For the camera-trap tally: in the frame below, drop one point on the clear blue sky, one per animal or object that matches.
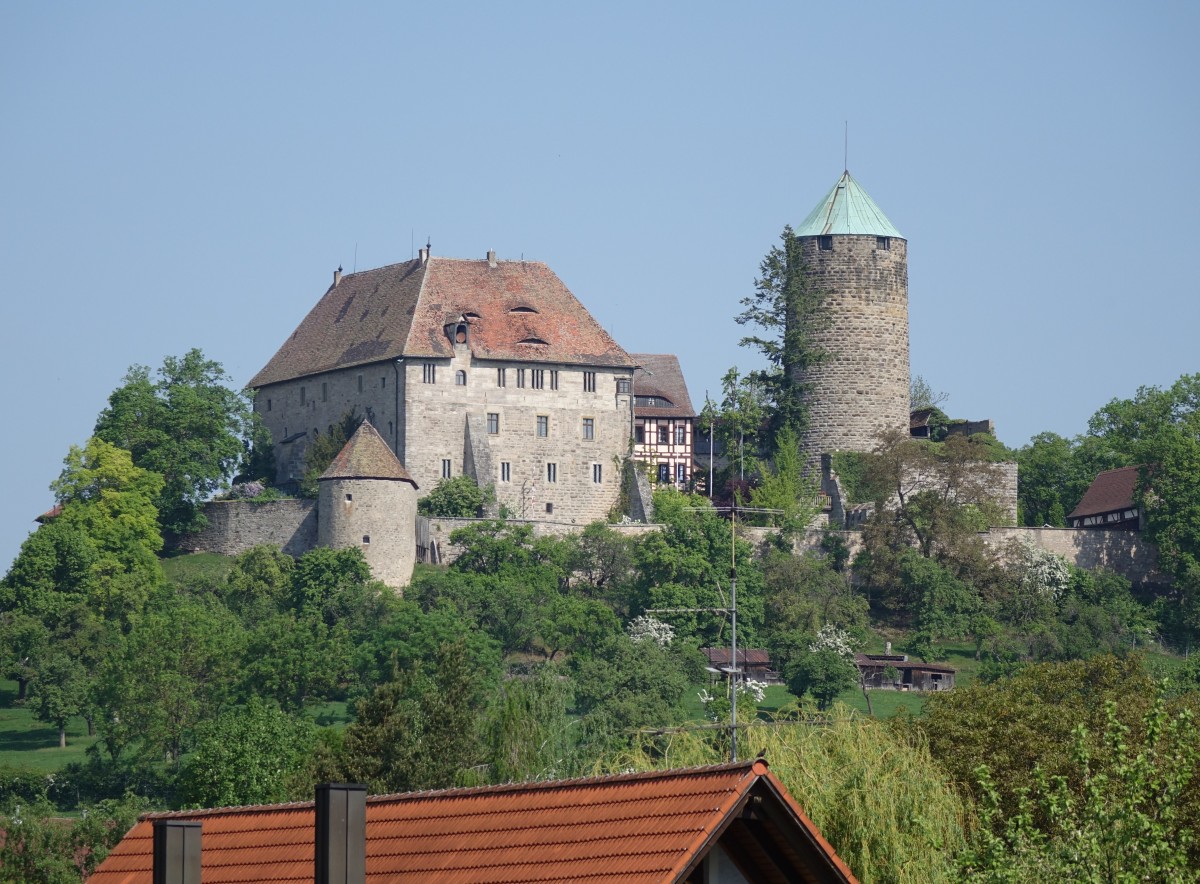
(180, 177)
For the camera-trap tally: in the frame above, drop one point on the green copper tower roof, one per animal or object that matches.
(847, 209)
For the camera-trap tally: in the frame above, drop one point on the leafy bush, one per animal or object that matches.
(456, 498)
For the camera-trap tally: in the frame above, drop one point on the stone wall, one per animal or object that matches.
(1127, 553)
(235, 526)
(440, 529)
(860, 387)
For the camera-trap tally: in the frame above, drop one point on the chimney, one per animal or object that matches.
(337, 276)
(423, 254)
(491, 257)
(341, 835)
(176, 852)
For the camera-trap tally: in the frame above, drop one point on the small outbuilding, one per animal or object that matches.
(896, 672)
(1110, 502)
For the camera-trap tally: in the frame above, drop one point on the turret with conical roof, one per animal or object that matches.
(368, 499)
(858, 261)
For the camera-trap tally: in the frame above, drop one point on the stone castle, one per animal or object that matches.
(494, 370)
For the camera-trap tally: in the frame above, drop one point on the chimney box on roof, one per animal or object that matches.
(337, 276)
(491, 257)
(341, 835)
(423, 254)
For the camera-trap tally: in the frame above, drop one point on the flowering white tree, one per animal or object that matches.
(1042, 571)
(830, 638)
(645, 627)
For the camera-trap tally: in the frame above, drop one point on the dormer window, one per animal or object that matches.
(523, 309)
(532, 341)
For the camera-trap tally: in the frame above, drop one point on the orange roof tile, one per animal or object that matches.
(648, 827)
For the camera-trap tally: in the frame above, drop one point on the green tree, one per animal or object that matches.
(324, 448)
(787, 309)
(1051, 480)
(419, 731)
(186, 425)
(458, 497)
(1117, 816)
(783, 488)
(529, 732)
(252, 754)
(60, 692)
(39, 847)
(105, 497)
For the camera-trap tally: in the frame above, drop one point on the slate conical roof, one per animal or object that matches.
(847, 209)
(367, 456)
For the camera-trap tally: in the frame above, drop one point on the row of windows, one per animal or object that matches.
(664, 472)
(663, 435)
(588, 427)
(535, 378)
(551, 471)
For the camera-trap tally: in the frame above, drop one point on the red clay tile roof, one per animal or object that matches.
(1110, 491)
(883, 661)
(659, 374)
(51, 514)
(402, 310)
(366, 456)
(751, 656)
(648, 827)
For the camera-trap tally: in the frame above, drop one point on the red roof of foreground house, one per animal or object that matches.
(648, 827)
(516, 310)
(1110, 491)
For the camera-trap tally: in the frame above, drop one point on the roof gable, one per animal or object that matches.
(1110, 491)
(659, 374)
(650, 827)
(847, 209)
(366, 456)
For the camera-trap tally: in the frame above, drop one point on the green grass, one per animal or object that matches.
(197, 569)
(27, 742)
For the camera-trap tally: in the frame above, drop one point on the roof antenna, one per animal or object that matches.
(846, 148)
(428, 249)
(355, 270)
(412, 243)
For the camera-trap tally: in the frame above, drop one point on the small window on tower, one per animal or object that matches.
(445, 468)
(366, 540)
(460, 378)
(349, 498)
(883, 243)
(825, 243)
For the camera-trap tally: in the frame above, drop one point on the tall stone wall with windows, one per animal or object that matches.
(861, 385)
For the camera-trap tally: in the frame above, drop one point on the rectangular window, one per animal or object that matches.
(493, 423)
(543, 425)
(445, 468)
(366, 540)
(623, 385)
(664, 472)
(664, 435)
(550, 508)
(589, 428)
(359, 379)
(383, 382)
(883, 243)
(505, 471)
(640, 434)
(268, 405)
(303, 399)
(681, 434)
(324, 392)
(551, 472)
(520, 377)
(554, 379)
(680, 473)
(501, 377)
(537, 378)
(589, 382)
(825, 243)
(597, 473)
(429, 374)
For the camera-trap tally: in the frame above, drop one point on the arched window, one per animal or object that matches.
(460, 378)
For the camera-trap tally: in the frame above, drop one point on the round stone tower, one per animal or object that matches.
(367, 499)
(859, 263)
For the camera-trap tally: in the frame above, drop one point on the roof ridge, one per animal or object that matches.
(466, 791)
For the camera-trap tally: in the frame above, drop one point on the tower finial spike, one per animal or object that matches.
(846, 148)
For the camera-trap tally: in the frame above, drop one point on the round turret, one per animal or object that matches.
(367, 499)
(859, 262)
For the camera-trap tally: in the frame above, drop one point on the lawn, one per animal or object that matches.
(196, 569)
(27, 742)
